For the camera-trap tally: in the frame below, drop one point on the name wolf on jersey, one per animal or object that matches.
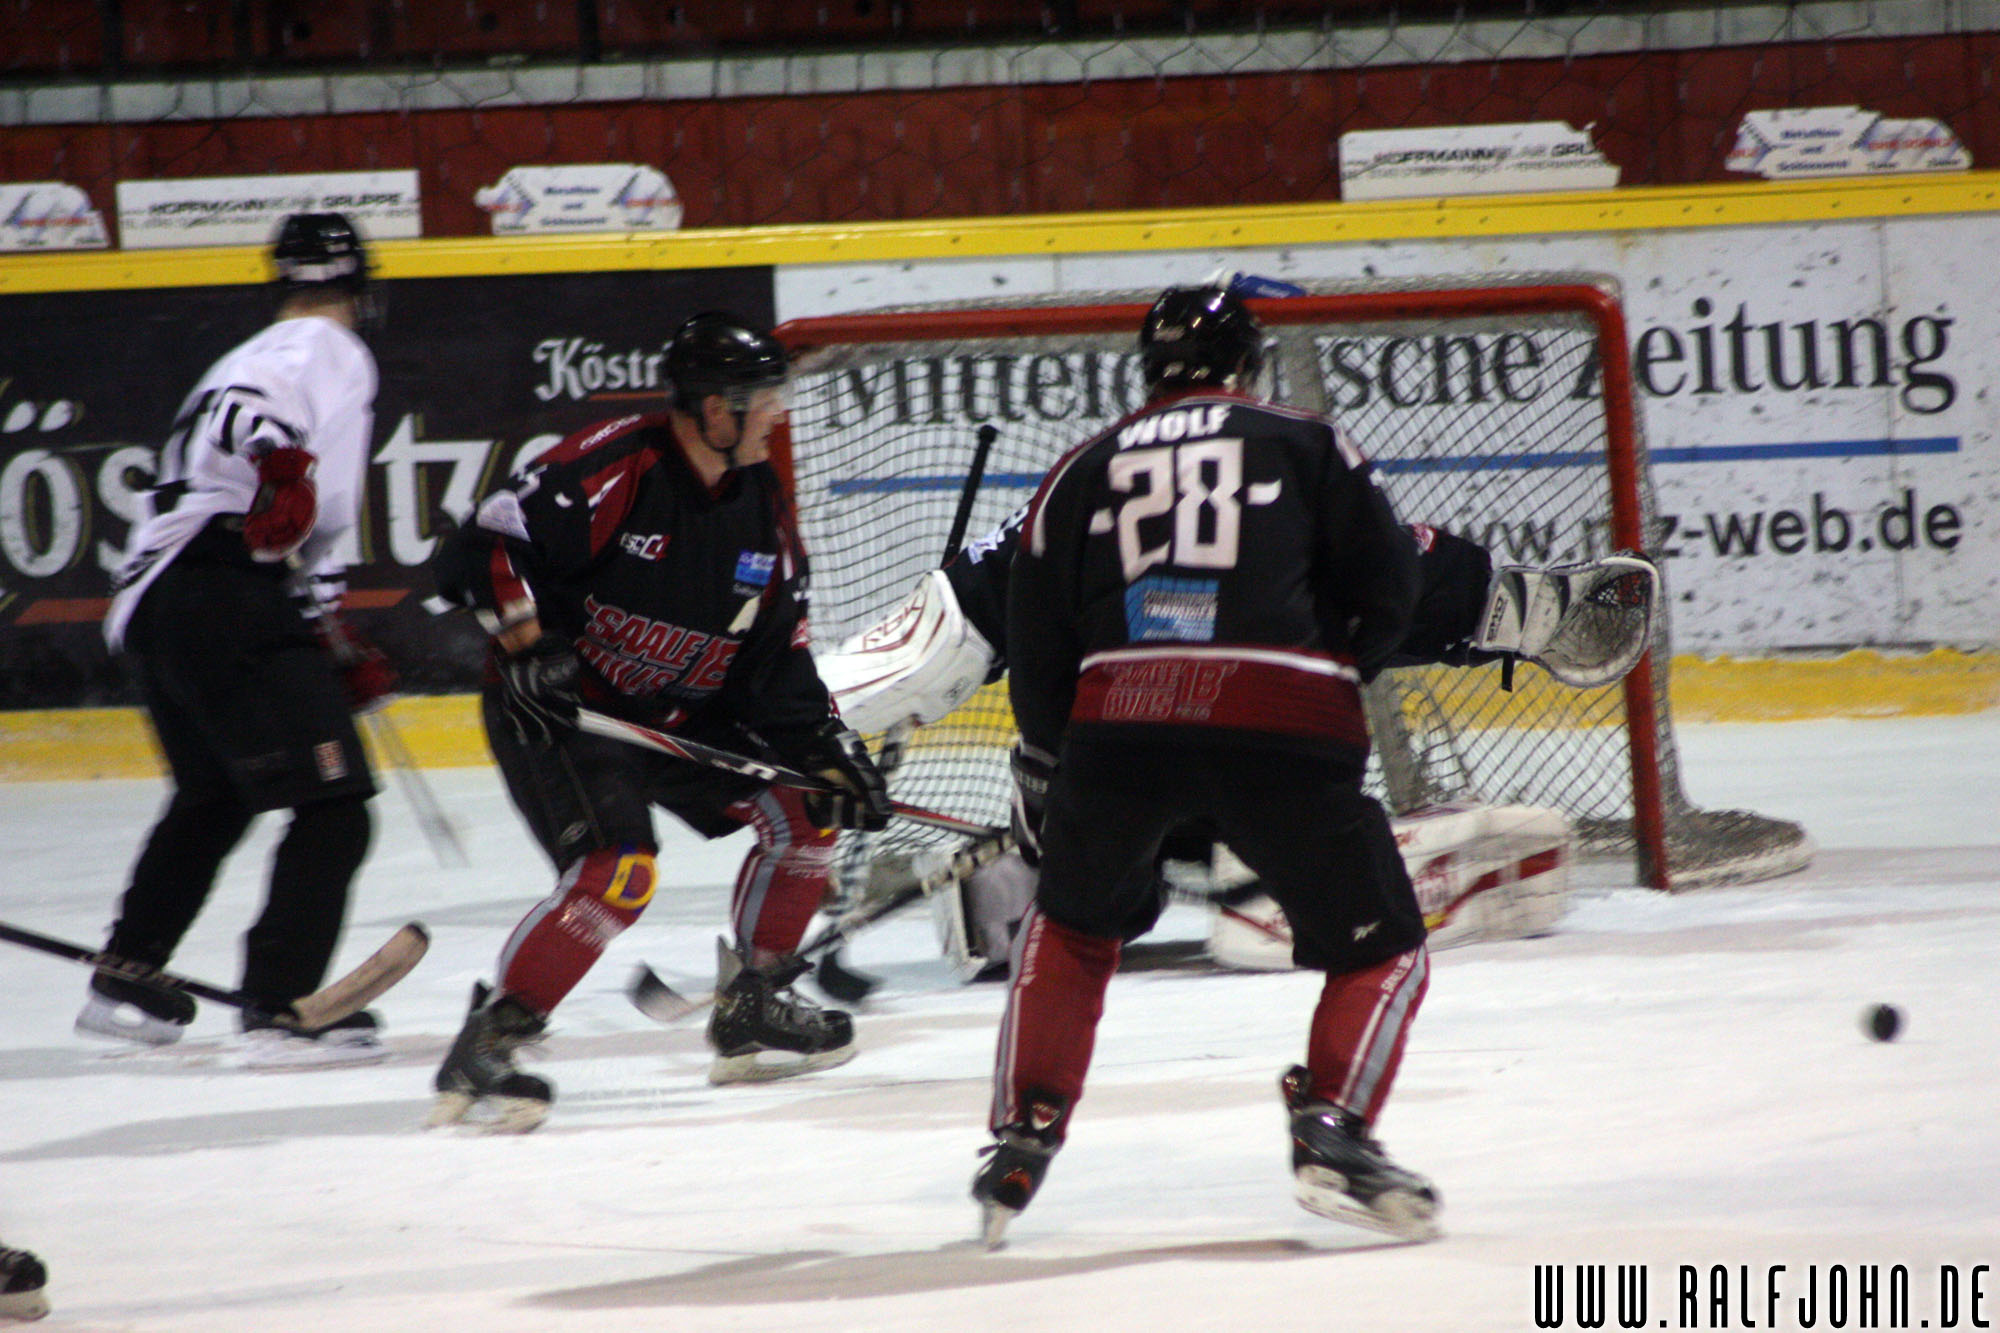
(1192, 424)
(639, 655)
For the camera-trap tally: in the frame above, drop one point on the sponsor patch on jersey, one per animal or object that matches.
(754, 568)
(331, 760)
(1159, 609)
(645, 545)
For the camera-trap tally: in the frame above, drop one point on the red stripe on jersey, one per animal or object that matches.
(510, 590)
(610, 492)
(1314, 696)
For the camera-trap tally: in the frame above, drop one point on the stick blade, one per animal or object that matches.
(842, 982)
(357, 989)
(656, 999)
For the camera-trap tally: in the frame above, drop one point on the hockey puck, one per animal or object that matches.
(1883, 1022)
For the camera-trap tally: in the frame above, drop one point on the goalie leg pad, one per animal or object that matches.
(1482, 873)
(977, 917)
(1489, 873)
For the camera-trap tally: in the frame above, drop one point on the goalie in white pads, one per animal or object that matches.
(1586, 624)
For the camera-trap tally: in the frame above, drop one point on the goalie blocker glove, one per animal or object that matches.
(539, 688)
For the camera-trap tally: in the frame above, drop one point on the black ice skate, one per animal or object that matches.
(23, 1285)
(479, 1069)
(122, 1009)
(1019, 1159)
(762, 1030)
(1341, 1172)
(273, 1041)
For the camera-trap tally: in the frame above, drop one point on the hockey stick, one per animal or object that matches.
(663, 1004)
(833, 975)
(437, 827)
(601, 724)
(330, 1003)
(962, 519)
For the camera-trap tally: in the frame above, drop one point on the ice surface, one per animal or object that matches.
(1667, 1081)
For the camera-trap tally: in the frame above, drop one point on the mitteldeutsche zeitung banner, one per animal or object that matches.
(1819, 400)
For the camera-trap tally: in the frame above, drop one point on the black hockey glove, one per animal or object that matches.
(538, 689)
(832, 751)
(1032, 770)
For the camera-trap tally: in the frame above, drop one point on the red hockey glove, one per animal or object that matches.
(364, 669)
(281, 517)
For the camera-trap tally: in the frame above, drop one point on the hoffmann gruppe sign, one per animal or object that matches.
(1471, 159)
(246, 210)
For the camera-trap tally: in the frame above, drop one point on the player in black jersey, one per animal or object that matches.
(1199, 594)
(1586, 623)
(650, 568)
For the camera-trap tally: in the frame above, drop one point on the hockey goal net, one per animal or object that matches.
(1502, 411)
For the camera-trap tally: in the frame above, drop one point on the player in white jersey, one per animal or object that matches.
(225, 606)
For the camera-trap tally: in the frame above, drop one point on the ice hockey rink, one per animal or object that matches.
(1679, 1085)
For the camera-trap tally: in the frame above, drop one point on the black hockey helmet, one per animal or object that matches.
(717, 353)
(319, 250)
(1199, 335)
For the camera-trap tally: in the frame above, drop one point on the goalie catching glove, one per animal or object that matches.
(538, 688)
(1585, 624)
(833, 752)
(286, 506)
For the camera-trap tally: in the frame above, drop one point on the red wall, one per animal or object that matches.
(1663, 117)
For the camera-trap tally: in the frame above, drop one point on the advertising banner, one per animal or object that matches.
(1819, 401)
(477, 375)
(49, 215)
(1841, 141)
(1471, 159)
(246, 210)
(590, 197)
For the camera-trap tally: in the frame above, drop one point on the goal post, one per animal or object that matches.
(1498, 408)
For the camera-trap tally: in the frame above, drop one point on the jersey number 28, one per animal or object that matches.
(1197, 483)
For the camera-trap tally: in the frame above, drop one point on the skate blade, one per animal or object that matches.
(497, 1115)
(768, 1066)
(24, 1305)
(1399, 1213)
(277, 1057)
(993, 1220)
(103, 1020)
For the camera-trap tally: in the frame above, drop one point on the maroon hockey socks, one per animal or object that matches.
(1359, 1030)
(1053, 1006)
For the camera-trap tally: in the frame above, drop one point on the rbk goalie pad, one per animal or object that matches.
(1586, 624)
